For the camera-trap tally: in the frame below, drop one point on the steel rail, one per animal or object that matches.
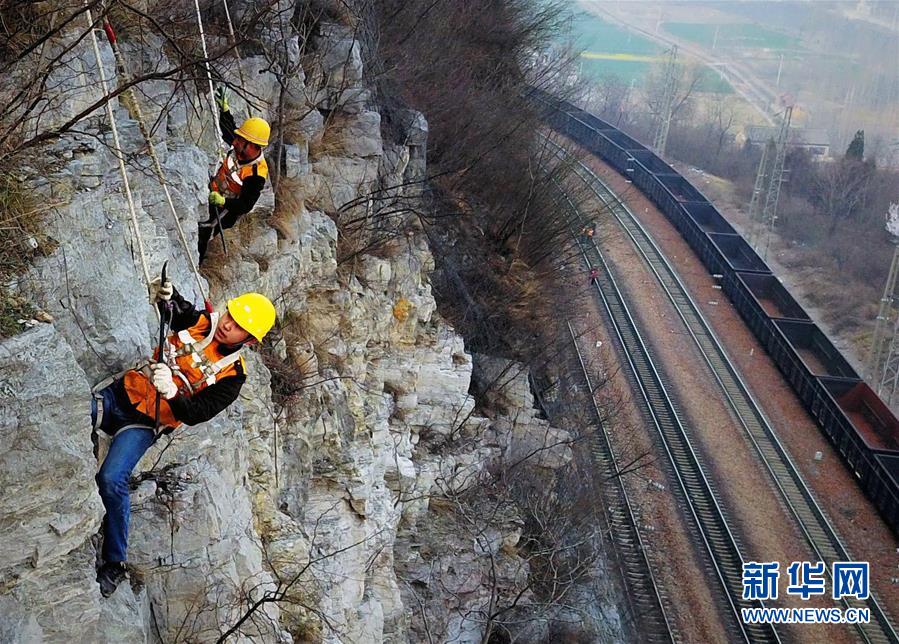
(646, 600)
(813, 523)
(697, 493)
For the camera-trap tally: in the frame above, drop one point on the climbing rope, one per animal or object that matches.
(157, 166)
(236, 52)
(215, 113)
(135, 227)
(214, 108)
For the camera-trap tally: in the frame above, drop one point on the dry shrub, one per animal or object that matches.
(22, 238)
(289, 207)
(463, 65)
(329, 143)
(290, 357)
(21, 23)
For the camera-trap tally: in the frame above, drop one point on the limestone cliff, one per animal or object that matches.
(290, 510)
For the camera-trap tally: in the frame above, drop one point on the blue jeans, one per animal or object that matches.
(126, 450)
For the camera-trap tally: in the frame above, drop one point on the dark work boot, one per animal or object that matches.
(110, 576)
(204, 234)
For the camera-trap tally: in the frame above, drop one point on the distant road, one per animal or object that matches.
(754, 90)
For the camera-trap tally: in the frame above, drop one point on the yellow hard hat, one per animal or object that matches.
(255, 130)
(254, 313)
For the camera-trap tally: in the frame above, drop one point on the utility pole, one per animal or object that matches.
(769, 214)
(660, 137)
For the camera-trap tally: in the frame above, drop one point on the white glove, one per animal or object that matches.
(160, 291)
(162, 380)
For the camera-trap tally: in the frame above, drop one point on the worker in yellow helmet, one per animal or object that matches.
(238, 182)
(199, 374)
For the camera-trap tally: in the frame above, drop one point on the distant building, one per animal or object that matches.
(816, 141)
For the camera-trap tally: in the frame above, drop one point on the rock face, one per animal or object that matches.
(49, 507)
(288, 513)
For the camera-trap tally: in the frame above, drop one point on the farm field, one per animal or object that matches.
(731, 35)
(608, 50)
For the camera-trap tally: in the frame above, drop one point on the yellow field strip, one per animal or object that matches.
(638, 58)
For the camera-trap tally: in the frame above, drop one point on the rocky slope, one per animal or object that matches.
(289, 511)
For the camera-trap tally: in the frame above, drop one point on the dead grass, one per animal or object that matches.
(330, 142)
(289, 206)
(22, 238)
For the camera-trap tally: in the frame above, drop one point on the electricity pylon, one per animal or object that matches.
(769, 213)
(660, 136)
(758, 192)
(883, 364)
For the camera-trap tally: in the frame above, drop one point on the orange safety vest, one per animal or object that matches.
(228, 179)
(196, 361)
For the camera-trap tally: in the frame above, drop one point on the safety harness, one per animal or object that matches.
(196, 349)
(228, 179)
(187, 346)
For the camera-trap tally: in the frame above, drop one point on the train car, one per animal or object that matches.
(760, 299)
(589, 138)
(637, 173)
(728, 254)
(882, 488)
(700, 220)
(862, 412)
(652, 162)
(661, 196)
(862, 428)
(804, 353)
(617, 150)
(597, 123)
(866, 433)
(578, 130)
(669, 191)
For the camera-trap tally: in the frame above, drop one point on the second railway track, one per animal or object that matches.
(819, 533)
(657, 404)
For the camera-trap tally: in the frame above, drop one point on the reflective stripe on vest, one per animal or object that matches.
(228, 179)
(195, 363)
(196, 349)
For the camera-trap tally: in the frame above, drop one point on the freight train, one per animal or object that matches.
(856, 421)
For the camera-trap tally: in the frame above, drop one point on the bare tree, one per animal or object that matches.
(609, 98)
(841, 189)
(720, 120)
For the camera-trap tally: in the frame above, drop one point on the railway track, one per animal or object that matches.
(646, 601)
(819, 533)
(656, 402)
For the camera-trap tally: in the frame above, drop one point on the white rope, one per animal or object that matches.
(135, 227)
(138, 114)
(214, 107)
(236, 52)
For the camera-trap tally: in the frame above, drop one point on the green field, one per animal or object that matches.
(712, 82)
(593, 34)
(608, 50)
(731, 36)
